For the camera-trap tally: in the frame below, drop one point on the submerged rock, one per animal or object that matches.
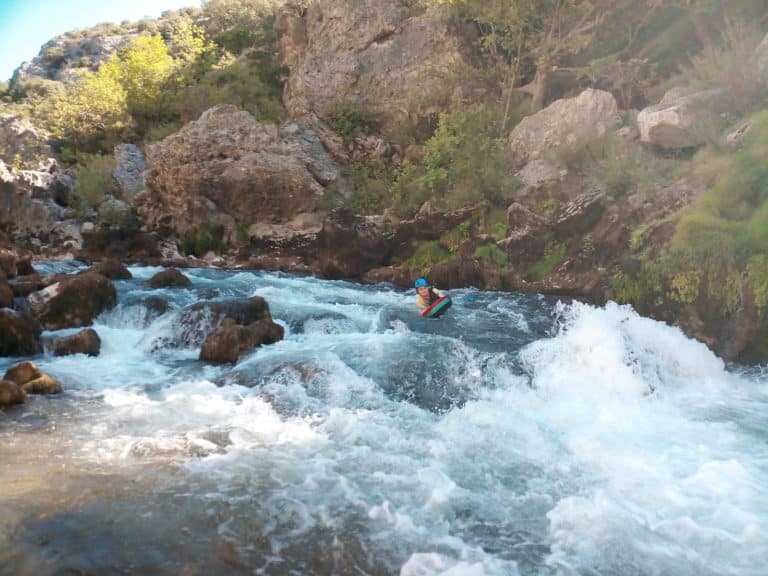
(168, 278)
(84, 342)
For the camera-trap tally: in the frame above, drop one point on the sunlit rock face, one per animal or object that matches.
(226, 168)
(376, 54)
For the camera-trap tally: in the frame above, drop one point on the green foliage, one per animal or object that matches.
(371, 180)
(642, 288)
(719, 243)
(553, 255)
(203, 239)
(622, 166)
(464, 163)
(349, 119)
(242, 235)
(547, 208)
(93, 174)
(428, 255)
(236, 25)
(757, 276)
(454, 239)
(90, 114)
(730, 67)
(145, 69)
(244, 83)
(492, 253)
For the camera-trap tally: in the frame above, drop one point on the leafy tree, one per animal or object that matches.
(89, 114)
(145, 69)
(236, 25)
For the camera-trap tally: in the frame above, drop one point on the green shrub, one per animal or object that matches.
(453, 239)
(349, 119)
(93, 174)
(465, 163)
(547, 208)
(553, 255)
(729, 66)
(237, 82)
(757, 276)
(203, 239)
(427, 255)
(492, 253)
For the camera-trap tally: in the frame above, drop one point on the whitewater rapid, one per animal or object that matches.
(513, 436)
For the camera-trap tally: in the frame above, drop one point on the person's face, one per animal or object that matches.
(423, 291)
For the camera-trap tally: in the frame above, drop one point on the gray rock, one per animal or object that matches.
(127, 178)
(674, 122)
(21, 143)
(590, 114)
(376, 54)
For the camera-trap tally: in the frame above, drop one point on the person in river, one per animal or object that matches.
(426, 295)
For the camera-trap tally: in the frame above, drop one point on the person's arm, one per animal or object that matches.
(420, 302)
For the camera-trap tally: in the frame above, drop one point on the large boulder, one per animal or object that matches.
(19, 333)
(226, 169)
(589, 115)
(30, 201)
(376, 54)
(680, 119)
(73, 301)
(230, 340)
(197, 321)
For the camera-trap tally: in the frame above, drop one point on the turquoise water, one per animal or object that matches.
(515, 435)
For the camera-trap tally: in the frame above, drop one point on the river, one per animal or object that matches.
(515, 435)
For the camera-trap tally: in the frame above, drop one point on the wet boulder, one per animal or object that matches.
(11, 393)
(19, 333)
(231, 340)
(73, 301)
(43, 384)
(6, 294)
(169, 278)
(84, 342)
(31, 379)
(112, 269)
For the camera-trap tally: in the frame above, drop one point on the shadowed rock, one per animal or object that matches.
(11, 393)
(73, 301)
(19, 333)
(112, 269)
(169, 278)
(84, 342)
(31, 380)
(230, 340)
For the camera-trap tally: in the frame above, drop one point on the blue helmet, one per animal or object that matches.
(420, 282)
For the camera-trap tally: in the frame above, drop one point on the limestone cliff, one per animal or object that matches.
(384, 56)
